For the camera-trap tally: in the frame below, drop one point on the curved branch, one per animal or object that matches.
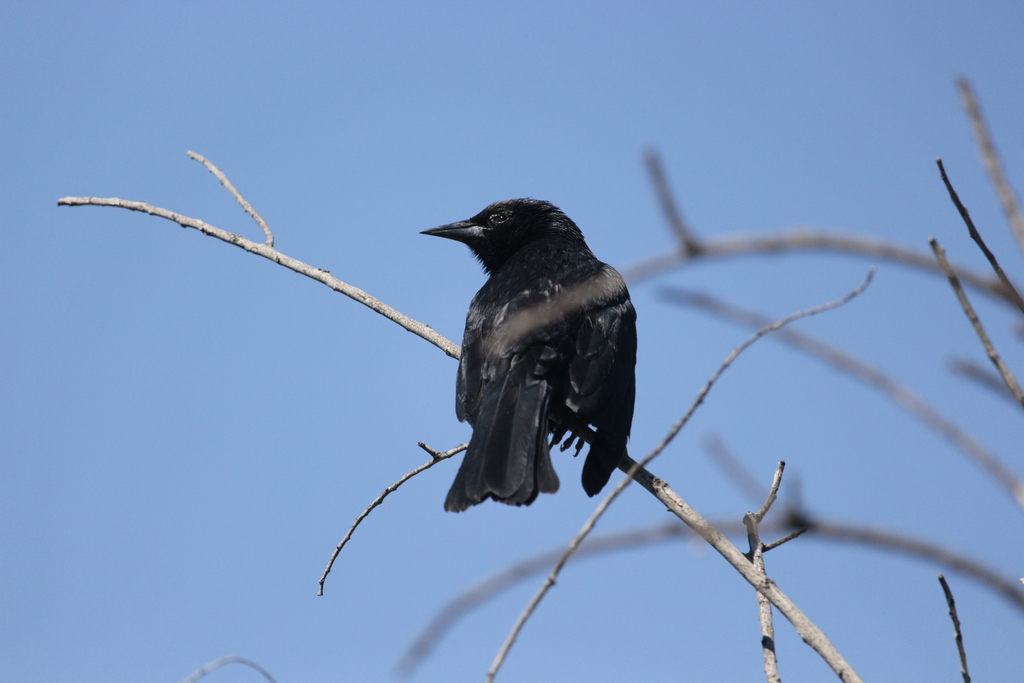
(874, 538)
(495, 584)
(436, 457)
(810, 240)
(223, 661)
(839, 359)
(267, 252)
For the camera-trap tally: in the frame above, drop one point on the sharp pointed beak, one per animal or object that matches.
(463, 231)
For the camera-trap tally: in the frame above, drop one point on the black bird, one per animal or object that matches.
(550, 343)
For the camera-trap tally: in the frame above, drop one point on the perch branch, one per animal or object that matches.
(995, 168)
(322, 276)
(811, 634)
(435, 457)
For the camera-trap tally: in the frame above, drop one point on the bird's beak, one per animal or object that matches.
(463, 231)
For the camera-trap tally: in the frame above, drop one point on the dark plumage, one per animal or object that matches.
(550, 341)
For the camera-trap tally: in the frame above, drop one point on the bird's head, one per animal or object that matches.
(503, 228)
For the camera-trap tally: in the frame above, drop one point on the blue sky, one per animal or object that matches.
(186, 430)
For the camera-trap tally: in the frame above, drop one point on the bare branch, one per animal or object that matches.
(976, 236)
(993, 355)
(223, 661)
(751, 521)
(237, 195)
(733, 468)
(956, 629)
(902, 395)
(785, 539)
(810, 633)
(992, 163)
(758, 516)
(873, 538)
(687, 242)
(810, 240)
(909, 545)
(495, 584)
(322, 276)
(436, 457)
(969, 370)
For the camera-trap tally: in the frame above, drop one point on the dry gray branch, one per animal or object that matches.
(810, 633)
(723, 457)
(976, 236)
(809, 240)
(435, 457)
(237, 195)
(752, 521)
(785, 539)
(322, 276)
(993, 355)
(969, 370)
(956, 629)
(899, 393)
(988, 154)
(223, 661)
(1009, 588)
(495, 584)
(687, 242)
(909, 545)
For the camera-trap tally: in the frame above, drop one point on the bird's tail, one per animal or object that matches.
(508, 457)
(603, 459)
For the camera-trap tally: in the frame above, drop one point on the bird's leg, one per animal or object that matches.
(565, 421)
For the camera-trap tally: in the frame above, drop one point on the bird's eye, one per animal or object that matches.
(497, 218)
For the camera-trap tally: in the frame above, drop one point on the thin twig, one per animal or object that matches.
(436, 457)
(687, 242)
(811, 634)
(322, 276)
(988, 153)
(773, 493)
(223, 661)
(983, 377)
(976, 236)
(785, 539)
(752, 521)
(237, 195)
(810, 240)
(993, 355)
(839, 359)
(956, 629)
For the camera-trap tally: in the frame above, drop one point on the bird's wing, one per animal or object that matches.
(601, 371)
